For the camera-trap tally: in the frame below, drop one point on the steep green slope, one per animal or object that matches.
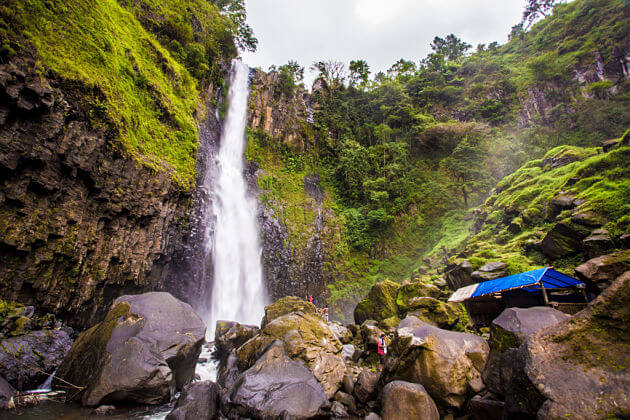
(146, 59)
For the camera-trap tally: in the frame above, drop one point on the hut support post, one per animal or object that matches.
(544, 293)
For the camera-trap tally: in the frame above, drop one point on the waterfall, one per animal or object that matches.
(238, 292)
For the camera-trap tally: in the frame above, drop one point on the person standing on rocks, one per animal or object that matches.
(325, 311)
(382, 350)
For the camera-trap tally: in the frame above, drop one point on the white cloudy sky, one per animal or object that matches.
(379, 31)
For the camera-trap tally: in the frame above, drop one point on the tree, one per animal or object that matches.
(293, 70)
(243, 33)
(359, 72)
(451, 47)
(402, 68)
(332, 72)
(534, 8)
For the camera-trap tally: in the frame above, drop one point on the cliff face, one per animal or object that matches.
(81, 222)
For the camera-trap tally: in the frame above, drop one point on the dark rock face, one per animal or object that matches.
(562, 240)
(198, 401)
(6, 394)
(507, 332)
(146, 347)
(27, 361)
(459, 275)
(598, 243)
(404, 400)
(277, 386)
(480, 408)
(366, 386)
(558, 370)
(229, 335)
(82, 222)
(598, 273)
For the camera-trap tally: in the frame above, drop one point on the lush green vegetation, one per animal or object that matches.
(148, 59)
(407, 155)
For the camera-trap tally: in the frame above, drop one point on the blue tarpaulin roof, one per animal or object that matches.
(550, 278)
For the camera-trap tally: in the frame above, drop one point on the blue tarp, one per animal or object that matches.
(551, 279)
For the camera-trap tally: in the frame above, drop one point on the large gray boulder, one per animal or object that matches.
(198, 401)
(145, 349)
(563, 239)
(490, 271)
(598, 273)
(26, 361)
(277, 386)
(405, 400)
(507, 332)
(577, 369)
(448, 364)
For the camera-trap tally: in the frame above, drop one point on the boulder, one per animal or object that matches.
(412, 290)
(379, 304)
(146, 347)
(370, 333)
(459, 275)
(26, 361)
(372, 416)
(598, 243)
(563, 239)
(507, 332)
(577, 369)
(490, 271)
(229, 335)
(448, 364)
(6, 394)
(305, 338)
(598, 273)
(625, 238)
(480, 408)
(198, 401)
(366, 385)
(287, 305)
(588, 218)
(338, 410)
(562, 201)
(405, 400)
(347, 351)
(228, 371)
(348, 383)
(389, 323)
(441, 314)
(277, 386)
(342, 333)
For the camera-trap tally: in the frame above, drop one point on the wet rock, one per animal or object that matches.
(6, 394)
(104, 410)
(448, 364)
(459, 275)
(598, 243)
(276, 385)
(405, 400)
(413, 290)
(562, 240)
(26, 361)
(379, 304)
(229, 335)
(305, 338)
(366, 385)
(342, 333)
(146, 347)
(337, 410)
(228, 371)
(507, 332)
(490, 271)
(571, 370)
(598, 273)
(480, 408)
(287, 305)
(198, 401)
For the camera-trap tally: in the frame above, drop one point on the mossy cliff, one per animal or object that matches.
(99, 106)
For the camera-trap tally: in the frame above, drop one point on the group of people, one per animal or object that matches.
(323, 311)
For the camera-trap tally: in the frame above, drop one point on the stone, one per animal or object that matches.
(439, 313)
(342, 333)
(405, 400)
(588, 218)
(508, 331)
(562, 240)
(370, 334)
(198, 401)
(389, 323)
(348, 383)
(347, 352)
(562, 201)
(448, 364)
(6, 394)
(372, 416)
(104, 410)
(337, 410)
(366, 385)
(145, 349)
(228, 371)
(490, 271)
(480, 408)
(598, 273)
(379, 304)
(598, 243)
(276, 385)
(625, 239)
(413, 290)
(459, 275)
(305, 338)
(229, 335)
(347, 400)
(26, 361)
(287, 305)
(608, 145)
(572, 369)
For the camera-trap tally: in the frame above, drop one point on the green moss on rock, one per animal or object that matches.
(380, 303)
(287, 305)
(411, 290)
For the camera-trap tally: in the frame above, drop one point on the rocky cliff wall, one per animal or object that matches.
(81, 222)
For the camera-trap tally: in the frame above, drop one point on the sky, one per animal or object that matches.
(378, 31)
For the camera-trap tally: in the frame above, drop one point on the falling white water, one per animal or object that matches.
(238, 292)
